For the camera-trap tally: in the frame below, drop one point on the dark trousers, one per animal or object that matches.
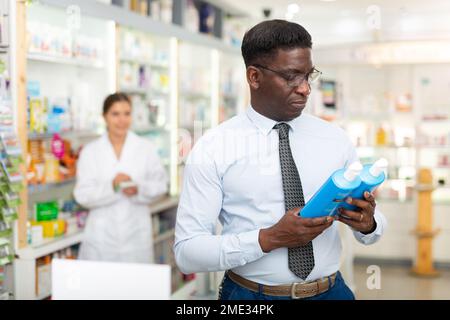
(230, 290)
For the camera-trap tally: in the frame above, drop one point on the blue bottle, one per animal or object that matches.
(333, 192)
(371, 177)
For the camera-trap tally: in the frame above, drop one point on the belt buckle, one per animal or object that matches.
(294, 286)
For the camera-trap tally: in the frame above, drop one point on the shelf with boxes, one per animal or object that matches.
(163, 223)
(34, 267)
(63, 104)
(234, 96)
(198, 85)
(144, 74)
(11, 160)
(35, 259)
(146, 60)
(405, 160)
(67, 78)
(399, 113)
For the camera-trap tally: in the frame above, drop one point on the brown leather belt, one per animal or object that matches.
(296, 290)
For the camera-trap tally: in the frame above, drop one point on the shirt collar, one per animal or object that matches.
(264, 124)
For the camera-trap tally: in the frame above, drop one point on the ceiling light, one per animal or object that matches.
(293, 8)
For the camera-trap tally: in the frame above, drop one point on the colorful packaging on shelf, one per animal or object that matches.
(81, 218)
(6, 255)
(36, 234)
(10, 144)
(57, 146)
(35, 161)
(5, 229)
(45, 211)
(11, 172)
(71, 222)
(43, 276)
(10, 199)
(51, 229)
(38, 114)
(58, 118)
(51, 169)
(9, 214)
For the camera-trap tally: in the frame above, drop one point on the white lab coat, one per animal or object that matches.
(118, 227)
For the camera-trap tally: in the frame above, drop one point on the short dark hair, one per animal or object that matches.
(113, 98)
(263, 40)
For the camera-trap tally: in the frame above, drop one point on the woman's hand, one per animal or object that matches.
(130, 191)
(120, 177)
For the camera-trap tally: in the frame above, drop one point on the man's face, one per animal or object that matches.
(281, 100)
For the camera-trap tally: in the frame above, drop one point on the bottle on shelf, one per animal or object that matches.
(381, 137)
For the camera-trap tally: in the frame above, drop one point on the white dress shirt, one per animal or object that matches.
(233, 174)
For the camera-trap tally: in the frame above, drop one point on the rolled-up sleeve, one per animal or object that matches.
(197, 248)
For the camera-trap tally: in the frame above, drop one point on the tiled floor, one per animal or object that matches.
(398, 283)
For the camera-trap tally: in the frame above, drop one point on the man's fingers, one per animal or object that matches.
(363, 204)
(318, 229)
(370, 197)
(351, 223)
(313, 222)
(309, 222)
(295, 211)
(353, 215)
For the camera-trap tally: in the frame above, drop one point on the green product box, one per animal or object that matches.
(46, 211)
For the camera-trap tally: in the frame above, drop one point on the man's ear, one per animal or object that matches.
(253, 77)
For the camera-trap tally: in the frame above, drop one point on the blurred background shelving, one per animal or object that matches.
(77, 52)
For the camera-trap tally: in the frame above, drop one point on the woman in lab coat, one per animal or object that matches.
(118, 175)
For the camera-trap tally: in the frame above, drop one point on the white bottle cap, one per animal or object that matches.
(353, 171)
(378, 167)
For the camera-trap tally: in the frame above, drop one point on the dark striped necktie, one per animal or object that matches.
(300, 259)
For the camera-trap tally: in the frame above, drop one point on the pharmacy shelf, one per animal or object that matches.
(411, 200)
(135, 90)
(65, 134)
(151, 129)
(195, 96)
(186, 292)
(159, 92)
(40, 188)
(387, 147)
(141, 61)
(146, 24)
(163, 204)
(50, 246)
(435, 121)
(65, 60)
(164, 236)
(144, 91)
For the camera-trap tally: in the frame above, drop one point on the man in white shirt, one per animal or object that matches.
(255, 171)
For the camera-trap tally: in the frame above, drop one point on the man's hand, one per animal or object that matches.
(361, 220)
(292, 231)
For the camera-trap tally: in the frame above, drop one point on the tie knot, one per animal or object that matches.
(283, 130)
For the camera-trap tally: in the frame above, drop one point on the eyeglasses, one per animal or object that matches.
(294, 80)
